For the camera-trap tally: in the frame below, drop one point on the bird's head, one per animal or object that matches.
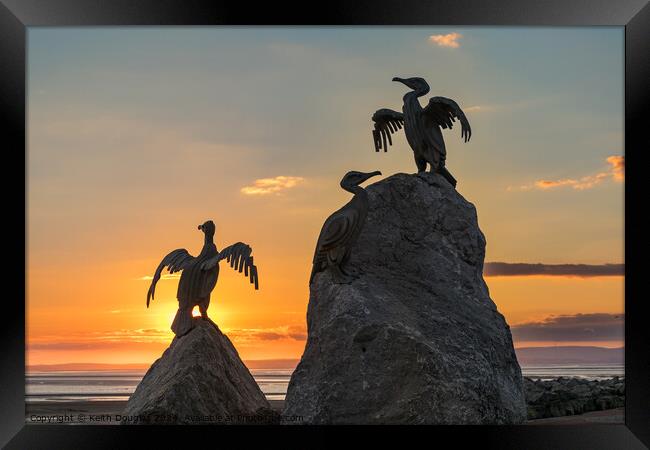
(354, 178)
(417, 84)
(208, 228)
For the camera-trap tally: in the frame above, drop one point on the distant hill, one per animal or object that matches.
(272, 363)
(525, 355)
(569, 355)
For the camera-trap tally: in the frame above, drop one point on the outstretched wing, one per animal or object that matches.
(239, 257)
(442, 111)
(387, 122)
(176, 261)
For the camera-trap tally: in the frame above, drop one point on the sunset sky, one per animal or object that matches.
(137, 135)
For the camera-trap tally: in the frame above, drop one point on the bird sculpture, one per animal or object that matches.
(341, 230)
(422, 126)
(200, 275)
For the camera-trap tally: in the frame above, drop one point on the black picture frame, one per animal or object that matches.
(634, 15)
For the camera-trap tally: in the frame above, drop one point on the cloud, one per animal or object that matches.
(618, 167)
(168, 276)
(583, 183)
(264, 186)
(503, 269)
(446, 40)
(246, 335)
(479, 108)
(155, 338)
(616, 172)
(577, 327)
(102, 339)
(510, 107)
(97, 345)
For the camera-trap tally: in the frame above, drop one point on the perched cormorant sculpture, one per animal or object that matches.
(421, 126)
(200, 275)
(341, 230)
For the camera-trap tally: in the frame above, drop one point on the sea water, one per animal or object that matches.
(119, 385)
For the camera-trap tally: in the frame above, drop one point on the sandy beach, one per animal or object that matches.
(608, 416)
(108, 413)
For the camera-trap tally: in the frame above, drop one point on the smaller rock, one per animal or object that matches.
(199, 379)
(569, 396)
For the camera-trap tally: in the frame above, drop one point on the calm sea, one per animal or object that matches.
(118, 385)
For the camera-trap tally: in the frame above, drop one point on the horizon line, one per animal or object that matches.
(29, 367)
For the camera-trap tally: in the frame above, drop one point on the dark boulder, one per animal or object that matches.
(415, 337)
(199, 379)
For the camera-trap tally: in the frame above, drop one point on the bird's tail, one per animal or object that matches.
(314, 269)
(317, 266)
(449, 177)
(183, 322)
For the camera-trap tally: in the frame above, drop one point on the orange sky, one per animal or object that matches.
(92, 318)
(137, 136)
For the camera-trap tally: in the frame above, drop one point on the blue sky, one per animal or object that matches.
(543, 103)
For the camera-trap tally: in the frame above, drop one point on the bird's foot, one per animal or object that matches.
(343, 279)
(346, 277)
(207, 319)
(352, 272)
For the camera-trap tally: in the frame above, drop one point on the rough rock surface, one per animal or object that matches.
(415, 338)
(570, 396)
(199, 379)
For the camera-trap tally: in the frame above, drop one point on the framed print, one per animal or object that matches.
(418, 215)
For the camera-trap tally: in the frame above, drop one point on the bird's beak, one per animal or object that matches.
(200, 227)
(401, 80)
(371, 174)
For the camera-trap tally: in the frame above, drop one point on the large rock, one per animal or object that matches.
(415, 338)
(199, 379)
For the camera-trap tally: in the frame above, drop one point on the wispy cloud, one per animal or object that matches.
(446, 40)
(102, 339)
(615, 171)
(479, 108)
(617, 164)
(155, 338)
(167, 276)
(576, 327)
(512, 106)
(580, 184)
(247, 335)
(503, 269)
(265, 186)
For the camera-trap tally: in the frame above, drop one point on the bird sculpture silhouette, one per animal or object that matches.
(341, 230)
(200, 275)
(422, 126)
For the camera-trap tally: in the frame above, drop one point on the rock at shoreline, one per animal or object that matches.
(415, 338)
(570, 396)
(199, 379)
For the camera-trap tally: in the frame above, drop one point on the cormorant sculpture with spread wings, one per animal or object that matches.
(200, 275)
(422, 126)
